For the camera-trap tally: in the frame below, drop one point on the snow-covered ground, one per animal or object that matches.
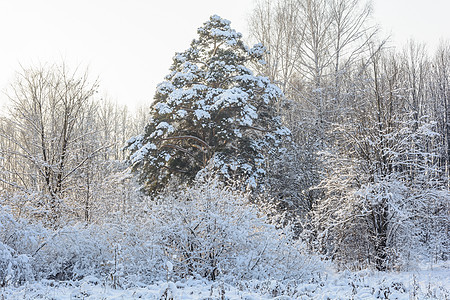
(424, 284)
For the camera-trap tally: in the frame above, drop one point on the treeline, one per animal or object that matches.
(369, 168)
(61, 145)
(353, 160)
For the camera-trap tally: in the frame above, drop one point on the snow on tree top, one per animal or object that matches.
(219, 19)
(211, 107)
(218, 27)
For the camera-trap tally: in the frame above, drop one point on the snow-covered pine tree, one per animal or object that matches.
(211, 109)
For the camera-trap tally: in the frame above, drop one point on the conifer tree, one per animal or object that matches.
(210, 110)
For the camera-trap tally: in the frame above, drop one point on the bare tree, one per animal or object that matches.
(314, 49)
(440, 93)
(44, 133)
(278, 26)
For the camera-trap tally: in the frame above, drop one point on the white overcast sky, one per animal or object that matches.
(129, 44)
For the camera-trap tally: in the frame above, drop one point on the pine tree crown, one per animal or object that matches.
(210, 110)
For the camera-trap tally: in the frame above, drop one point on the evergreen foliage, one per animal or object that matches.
(211, 109)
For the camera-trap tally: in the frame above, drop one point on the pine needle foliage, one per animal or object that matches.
(210, 110)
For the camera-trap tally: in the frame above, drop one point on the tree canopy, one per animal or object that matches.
(211, 109)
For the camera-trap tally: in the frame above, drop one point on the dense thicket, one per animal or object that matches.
(202, 231)
(60, 145)
(363, 178)
(370, 127)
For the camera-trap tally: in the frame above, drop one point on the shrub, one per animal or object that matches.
(212, 231)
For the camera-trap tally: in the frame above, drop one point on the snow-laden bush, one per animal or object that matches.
(73, 252)
(14, 269)
(211, 231)
(30, 251)
(204, 231)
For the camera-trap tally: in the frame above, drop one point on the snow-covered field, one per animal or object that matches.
(425, 284)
